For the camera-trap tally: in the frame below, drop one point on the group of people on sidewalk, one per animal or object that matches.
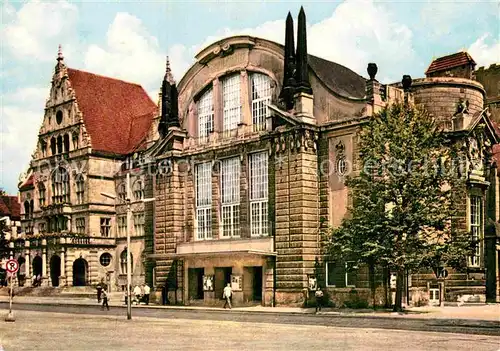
(139, 294)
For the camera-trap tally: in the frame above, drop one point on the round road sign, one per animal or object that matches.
(12, 266)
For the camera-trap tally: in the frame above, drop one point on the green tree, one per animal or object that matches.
(404, 196)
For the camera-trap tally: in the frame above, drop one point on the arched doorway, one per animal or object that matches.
(55, 269)
(80, 268)
(37, 266)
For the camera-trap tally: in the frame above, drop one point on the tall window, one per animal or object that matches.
(230, 179)
(261, 96)
(123, 262)
(258, 193)
(122, 226)
(80, 190)
(41, 194)
(105, 227)
(138, 190)
(122, 192)
(53, 146)
(80, 225)
(66, 142)
(206, 115)
(204, 201)
(231, 102)
(476, 228)
(139, 224)
(60, 186)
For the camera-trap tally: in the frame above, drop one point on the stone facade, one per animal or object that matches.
(73, 233)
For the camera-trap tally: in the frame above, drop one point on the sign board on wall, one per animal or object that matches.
(313, 282)
(208, 283)
(236, 284)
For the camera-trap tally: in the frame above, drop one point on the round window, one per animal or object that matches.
(59, 117)
(105, 259)
(341, 166)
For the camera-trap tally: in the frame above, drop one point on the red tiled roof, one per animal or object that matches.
(117, 114)
(28, 183)
(9, 206)
(450, 61)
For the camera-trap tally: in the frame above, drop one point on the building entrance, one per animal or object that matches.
(222, 278)
(80, 269)
(195, 276)
(55, 270)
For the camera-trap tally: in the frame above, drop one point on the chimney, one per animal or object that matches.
(304, 101)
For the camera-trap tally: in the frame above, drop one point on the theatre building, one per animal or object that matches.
(251, 164)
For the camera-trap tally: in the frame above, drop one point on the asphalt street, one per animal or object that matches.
(462, 326)
(107, 331)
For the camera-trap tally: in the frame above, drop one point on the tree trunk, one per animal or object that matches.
(398, 303)
(371, 268)
(386, 275)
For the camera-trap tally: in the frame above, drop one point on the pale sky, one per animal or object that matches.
(130, 39)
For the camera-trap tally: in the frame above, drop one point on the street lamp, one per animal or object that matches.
(129, 227)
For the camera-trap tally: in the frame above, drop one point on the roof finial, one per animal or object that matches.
(168, 73)
(60, 56)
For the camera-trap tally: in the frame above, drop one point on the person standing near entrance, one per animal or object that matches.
(318, 294)
(147, 290)
(228, 292)
(105, 300)
(99, 292)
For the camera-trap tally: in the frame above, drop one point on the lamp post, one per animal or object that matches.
(129, 229)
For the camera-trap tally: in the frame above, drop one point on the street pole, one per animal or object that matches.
(129, 266)
(10, 316)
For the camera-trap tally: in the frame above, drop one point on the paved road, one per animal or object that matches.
(462, 326)
(68, 331)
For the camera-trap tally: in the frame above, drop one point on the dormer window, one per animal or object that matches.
(231, 102)
(206, 115)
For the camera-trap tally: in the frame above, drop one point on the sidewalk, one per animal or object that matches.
(486, 312)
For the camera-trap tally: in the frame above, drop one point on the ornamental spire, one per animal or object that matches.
(289, 82)
(302, 74)
(168, 73)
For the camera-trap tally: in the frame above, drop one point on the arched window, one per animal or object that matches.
(53, 145)
(60, 186)
(66, 143)
(122, 192)
(138, 190)
(80, 190)
(75, 140)
(123, 262)
(43, 148)
(59, 145)
(261, 96)
(41, 194)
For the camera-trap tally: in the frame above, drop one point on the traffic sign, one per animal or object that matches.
(12, 266)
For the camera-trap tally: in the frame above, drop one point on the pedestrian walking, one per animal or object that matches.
(318, 294)
(147, 291)
(228, 292)
(105, 300)
(99, 292)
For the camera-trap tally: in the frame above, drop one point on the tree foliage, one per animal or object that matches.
(405, 194)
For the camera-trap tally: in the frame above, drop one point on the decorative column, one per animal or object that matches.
(62, 278)
(27, 263)
(246, 111)
(44, 261)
